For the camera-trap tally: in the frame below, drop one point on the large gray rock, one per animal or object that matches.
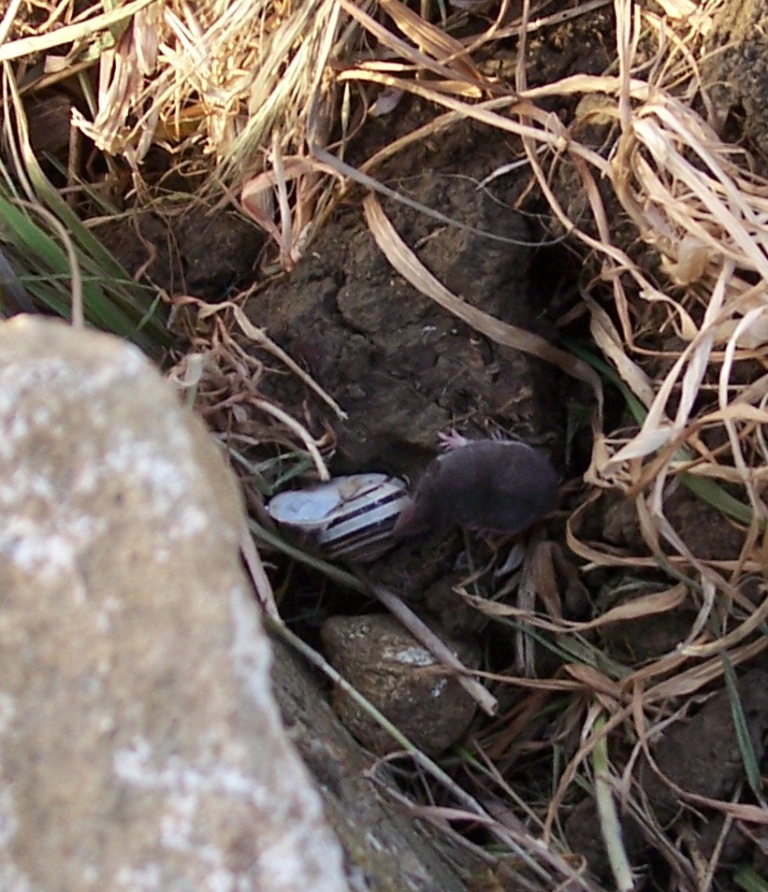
(140, 748)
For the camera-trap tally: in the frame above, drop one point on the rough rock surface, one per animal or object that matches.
(390, 849)
(400, 677)
(140, 748)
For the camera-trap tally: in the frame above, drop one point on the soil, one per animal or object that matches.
(736, 72)
(205, 253)
(405, 370)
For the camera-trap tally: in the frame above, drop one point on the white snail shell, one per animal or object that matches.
(347, 517)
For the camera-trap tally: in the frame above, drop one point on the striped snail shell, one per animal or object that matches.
(347, 517)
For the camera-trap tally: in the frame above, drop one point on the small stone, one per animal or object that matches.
(402, 679)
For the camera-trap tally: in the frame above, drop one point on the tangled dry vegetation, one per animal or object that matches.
(248, 93)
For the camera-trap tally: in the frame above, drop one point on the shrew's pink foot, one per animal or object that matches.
(451, 441)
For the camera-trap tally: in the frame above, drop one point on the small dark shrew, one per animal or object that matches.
(492, 486)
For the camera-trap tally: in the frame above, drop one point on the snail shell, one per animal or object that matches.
(347, 517)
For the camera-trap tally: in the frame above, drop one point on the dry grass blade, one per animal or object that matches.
(259, 578)
(644, 605)
(433, 49)
(212, 82)
(431, 40)
(68, 34)
(222, 378)
(610, 824)
(258, 336)
(485, 700)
